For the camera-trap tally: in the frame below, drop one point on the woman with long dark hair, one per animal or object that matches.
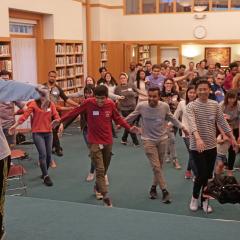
(180, 113)
(141, 86)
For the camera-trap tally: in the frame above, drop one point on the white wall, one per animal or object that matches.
(200, 51)
(65, 22)
(114, 26)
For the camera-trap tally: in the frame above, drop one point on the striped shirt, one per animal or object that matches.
(204, 117)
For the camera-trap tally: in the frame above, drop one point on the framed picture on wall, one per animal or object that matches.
(221, 55)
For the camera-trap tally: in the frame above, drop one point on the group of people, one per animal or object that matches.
(153, 101)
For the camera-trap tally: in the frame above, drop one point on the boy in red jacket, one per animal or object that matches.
(100, 112)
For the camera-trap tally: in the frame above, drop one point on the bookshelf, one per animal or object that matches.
(103, 54)
(66, 58)
(144, 53)
(5, 55)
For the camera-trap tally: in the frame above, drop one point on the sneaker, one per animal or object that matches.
(124, 142)
(53, 164)
(206, 207)
(176, 164)
(90, 177)
(98, 195)
(153, 192)
(188, 174)
(59, 152)
(107, 202)
(47, 181)
(3, 234)
(193, 204)
(106, 180)
(166, 197)
(167, 159)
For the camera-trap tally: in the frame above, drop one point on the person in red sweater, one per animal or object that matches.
(100, 111)
(42, 111)
(229, 78)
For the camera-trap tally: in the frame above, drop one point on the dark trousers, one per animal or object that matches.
(190, 165)
(92, 169)
(204, 165)
(126, 132)
(56, 142)
(43, 143)
(4, 169)
(231, 152)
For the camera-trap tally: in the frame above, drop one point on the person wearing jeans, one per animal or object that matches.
(43, 143)
(42, 111)
(203, 116)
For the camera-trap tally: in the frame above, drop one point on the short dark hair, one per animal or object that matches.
(52, 71)
(218, 65)
(232, 65)
(153, 89)
(156, 66)
(101, 91)
(231, 94)
(4, 73)
(148, 62)
(182, 66)
(89, 88)
(202, 81)
(101, 69)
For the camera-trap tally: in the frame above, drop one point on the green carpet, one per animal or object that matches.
(130, 178)
(39, 219)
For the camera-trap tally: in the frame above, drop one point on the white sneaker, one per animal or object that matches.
(193, 204)
(106, 180)
(206, 207)
(90, 177)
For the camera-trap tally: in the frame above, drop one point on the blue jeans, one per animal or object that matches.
(92, 169)
(43, 143)
(190, 165)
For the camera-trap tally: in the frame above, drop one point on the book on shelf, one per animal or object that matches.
(145, 48)
(79, 48)
(60, 49)
(70, 60)
(6, 65)
(61, 73)
(70, 72)
(4, 50)
(79, 70)
(79, 59)
(103, 47)
(79, 81)
(103, 56)
(70, 49)
(60, 61)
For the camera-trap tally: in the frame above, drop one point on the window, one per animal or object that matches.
(132, 6)
(235, 5)
(149, 6)
(21, 28)
(166, 6)
(218, 5)
(184, 5)
(201, 5)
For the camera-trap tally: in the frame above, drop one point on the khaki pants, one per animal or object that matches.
(101, 158)
(155, 151)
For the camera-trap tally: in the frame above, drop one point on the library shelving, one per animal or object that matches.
(144, 53)
(66, 58)
(103, 54)
(5, 55)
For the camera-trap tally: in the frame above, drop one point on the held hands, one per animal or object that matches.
(120, 97)
(60, 130)
(135, 130)
(186, 132)
(55, 123)
(200, 145)
(12, 129)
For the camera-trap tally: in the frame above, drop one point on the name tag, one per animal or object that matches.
(49, 110)
(54, 93)
(95, 113)
(129, 89)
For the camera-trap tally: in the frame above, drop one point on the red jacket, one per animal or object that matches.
(99, 120)
(41, 120)
(228, 82)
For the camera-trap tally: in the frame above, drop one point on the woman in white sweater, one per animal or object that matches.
(180, 113)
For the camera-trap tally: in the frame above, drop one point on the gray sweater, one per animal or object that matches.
(154, 120)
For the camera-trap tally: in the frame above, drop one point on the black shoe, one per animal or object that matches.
(47, 181)
(153, 192)
(59, 152)
(166, 197)
(107, 202)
